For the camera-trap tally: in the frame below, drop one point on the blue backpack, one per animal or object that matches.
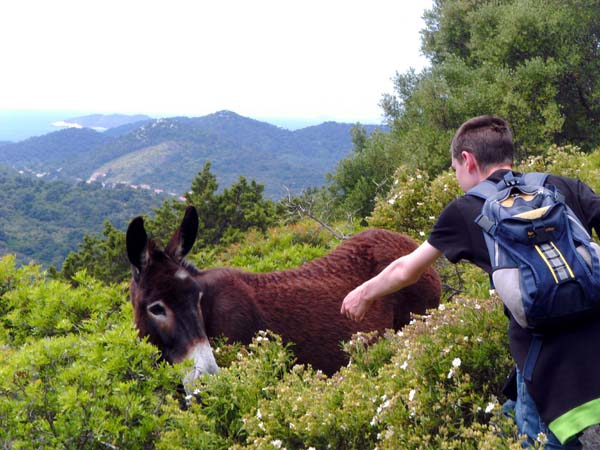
(545, 266)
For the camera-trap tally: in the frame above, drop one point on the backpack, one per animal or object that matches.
(545, 266)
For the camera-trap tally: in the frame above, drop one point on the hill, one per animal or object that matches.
(168, 153)
(45, 220)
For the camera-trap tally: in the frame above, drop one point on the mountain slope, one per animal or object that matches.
(53, 150)
(45, 220)
(168, 153)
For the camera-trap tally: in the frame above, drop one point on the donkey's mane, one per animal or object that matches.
(191, 268)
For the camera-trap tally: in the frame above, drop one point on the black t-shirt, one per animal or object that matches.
(458, 237)
(567, 373)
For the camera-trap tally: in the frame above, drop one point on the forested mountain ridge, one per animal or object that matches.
(168, 153)
(45, 220)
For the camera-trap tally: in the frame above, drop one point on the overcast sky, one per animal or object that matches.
(309, 59)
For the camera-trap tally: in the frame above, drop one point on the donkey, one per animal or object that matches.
(178, 307)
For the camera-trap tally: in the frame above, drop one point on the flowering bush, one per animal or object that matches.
(414, 202)
(78, 377)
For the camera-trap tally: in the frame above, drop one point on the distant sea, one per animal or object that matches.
(19, 125)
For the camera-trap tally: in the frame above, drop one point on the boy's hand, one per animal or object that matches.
(355, 305)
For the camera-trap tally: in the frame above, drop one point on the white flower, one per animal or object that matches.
(276, 443)
(404, 365)
(542, 438)
(489, 408)
(450, 373)
(442, 307)
(456, 362)
(421, 233)
(391, 201)
(411, 395)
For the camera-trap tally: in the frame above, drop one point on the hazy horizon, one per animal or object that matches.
(18, 125)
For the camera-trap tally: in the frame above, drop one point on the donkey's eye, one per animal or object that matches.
(157, 309)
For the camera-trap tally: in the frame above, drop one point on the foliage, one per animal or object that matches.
(224, 217)
(367, 172)
(533, 62)
(44, 221)
(283, 247)
(434, 385)
(74, 375)
(103, 258)
(415, 199)
(549, 47)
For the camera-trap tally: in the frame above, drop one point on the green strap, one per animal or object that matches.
(576, 420)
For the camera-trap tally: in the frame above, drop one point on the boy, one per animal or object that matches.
(565, 389)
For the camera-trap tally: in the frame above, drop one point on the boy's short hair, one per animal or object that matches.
(488, 138)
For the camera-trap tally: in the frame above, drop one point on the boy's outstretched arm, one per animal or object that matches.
(402, 272)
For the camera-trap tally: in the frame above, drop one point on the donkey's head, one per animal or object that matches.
(165, 296)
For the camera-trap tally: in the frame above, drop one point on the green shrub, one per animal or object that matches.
(226, 400)
(436, 386)
(73, 374)
(36, 308)
(84, 391)
(282, 248)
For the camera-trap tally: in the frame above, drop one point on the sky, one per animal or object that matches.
(310, 59)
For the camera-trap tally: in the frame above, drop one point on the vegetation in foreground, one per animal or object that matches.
(74, 375)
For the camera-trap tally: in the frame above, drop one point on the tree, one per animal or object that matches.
(223, 219)
(103, 258)
(534, 62)
(366, 173)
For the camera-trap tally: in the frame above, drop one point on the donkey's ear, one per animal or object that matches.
(136, 242)
(183, 240)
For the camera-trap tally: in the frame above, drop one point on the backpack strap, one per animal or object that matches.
(535, 348)
(483, 190)
(535, 178)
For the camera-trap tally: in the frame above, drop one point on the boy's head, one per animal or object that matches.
(487, 138)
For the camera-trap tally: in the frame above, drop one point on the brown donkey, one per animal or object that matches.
(179, 306)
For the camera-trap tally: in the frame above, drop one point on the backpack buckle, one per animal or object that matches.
(540, 233)
(510, 180)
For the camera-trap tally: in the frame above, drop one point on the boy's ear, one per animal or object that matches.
(469, 160)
